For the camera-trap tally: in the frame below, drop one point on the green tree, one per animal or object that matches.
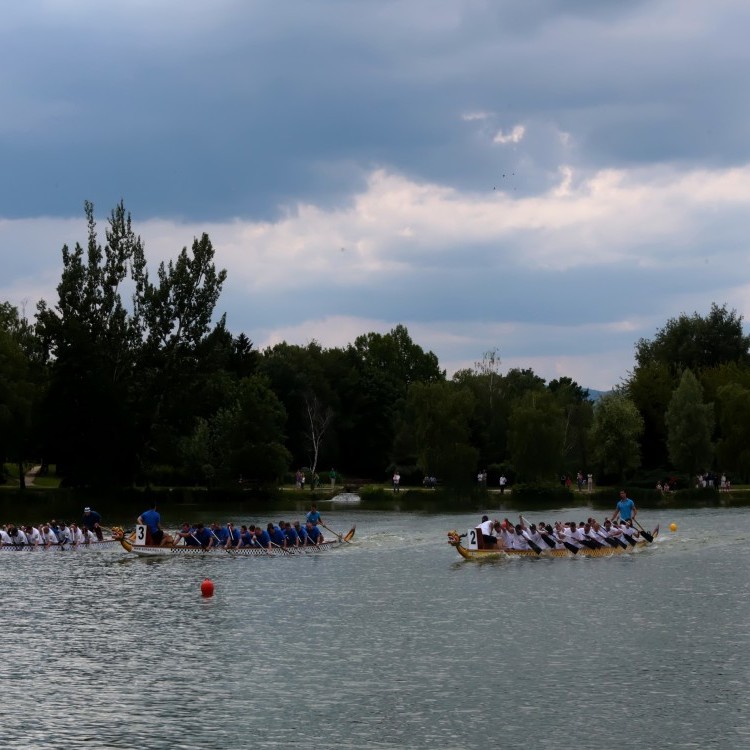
(690, 424)
(18, 394)
(535, 436)
(438, 416)
(733, 449)
(615, 432)
(694, 342)
(650, 388)
(89, 341)
(578, 415)
(126, 380)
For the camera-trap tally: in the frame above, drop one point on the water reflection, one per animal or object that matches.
(391, 643)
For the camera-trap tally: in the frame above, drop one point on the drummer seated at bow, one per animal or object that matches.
(152, 521)
(485, 528)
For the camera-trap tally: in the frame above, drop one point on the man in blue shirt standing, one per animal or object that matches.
(625, 508)
(152, 520)
(313, 515)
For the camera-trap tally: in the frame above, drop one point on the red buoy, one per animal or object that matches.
(207, 587)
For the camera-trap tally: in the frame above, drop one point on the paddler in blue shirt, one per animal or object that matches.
(187, 534)
(301, 533)
(204, 536)
(247, 537)
(276, 535)
(262, 538)
(292, 537)
(625, 508)
(233, 536)
(221, 533)
(314, 535)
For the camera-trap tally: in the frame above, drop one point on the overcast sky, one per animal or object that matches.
(553, 179)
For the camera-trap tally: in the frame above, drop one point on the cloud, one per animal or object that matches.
(514, 136)
(562, 273)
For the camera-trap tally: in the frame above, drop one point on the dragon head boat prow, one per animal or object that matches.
(454, 538)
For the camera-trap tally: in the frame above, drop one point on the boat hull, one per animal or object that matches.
(103, 545)
(454, 539)
(182, 550)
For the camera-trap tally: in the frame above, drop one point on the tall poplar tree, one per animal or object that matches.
(690, 424)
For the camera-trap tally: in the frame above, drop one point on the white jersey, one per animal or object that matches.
(88, 536)
(486, 528)
(19, 538)
(34, 537)
(77, 536)
(64, 535)
(49, 538)
(4, 538)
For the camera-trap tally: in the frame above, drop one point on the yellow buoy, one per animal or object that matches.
(673, 527)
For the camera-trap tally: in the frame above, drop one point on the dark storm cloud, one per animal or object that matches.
(260, 105)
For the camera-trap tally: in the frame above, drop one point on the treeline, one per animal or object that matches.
(129, 380)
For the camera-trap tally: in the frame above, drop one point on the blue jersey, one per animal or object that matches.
(301, 533)
(203, 536)
(292, 537)
(151, 518)
(314, 535)
(313, 517)
(234, 537)
(277, 536)
(263, 539)
(247, 539)
(626, 508)
(222, 534)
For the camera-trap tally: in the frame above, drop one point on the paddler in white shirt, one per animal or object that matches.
(571, 535)
(33, 537)
(4, 538)
(88, 535)
(17, 537)
(519, 538)
(49, 538)
(76, 535)
(629, 530)
(64, 536)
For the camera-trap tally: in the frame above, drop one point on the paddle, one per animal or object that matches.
(219, 544)
(648, 537)
(283, 549)
(534, 546)
(339, 536)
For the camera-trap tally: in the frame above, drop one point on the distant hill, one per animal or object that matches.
(596, 395)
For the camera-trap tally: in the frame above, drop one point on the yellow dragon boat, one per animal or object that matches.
(474, 548)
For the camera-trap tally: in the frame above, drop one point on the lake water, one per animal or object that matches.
(393, 642)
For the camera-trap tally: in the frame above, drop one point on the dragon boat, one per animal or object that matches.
(138, 545)
(474, 548)
(53, 549)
